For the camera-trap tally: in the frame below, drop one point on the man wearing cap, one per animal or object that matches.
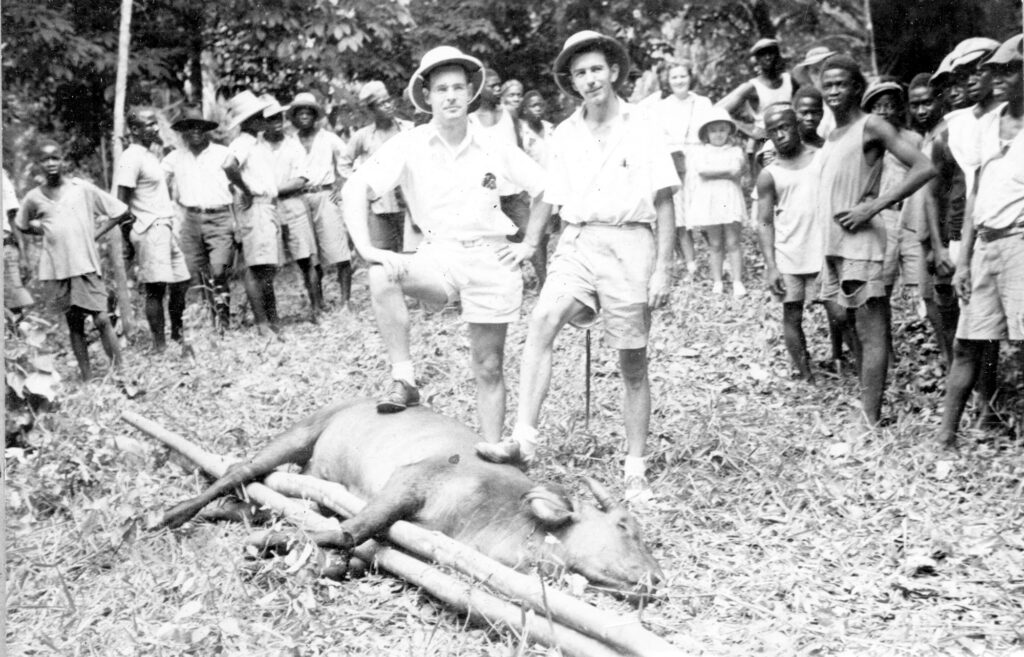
(611, 172)
(324, 153)
(990, 269)
(296, 229)
(771, 85)
(142, 185)
(855, 245)
(195, 175)
(251, 170)
(448, 171)
(387, 212)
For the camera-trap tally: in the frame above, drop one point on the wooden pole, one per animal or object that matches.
(116, 245)
(869, 23)
(478, 604)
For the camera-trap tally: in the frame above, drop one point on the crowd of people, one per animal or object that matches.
(857, 186)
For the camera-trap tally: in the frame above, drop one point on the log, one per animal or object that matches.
(478, 604)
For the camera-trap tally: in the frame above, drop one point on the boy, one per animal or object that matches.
(63, 211)
(791, 238)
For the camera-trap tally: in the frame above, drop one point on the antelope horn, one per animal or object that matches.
(601, 494)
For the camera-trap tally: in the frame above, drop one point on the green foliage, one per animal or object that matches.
(32, 383)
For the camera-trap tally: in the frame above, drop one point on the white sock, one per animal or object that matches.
(527, 437)
(635, 467)
(404, 372)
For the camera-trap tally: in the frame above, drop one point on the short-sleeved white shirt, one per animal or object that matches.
(287, 157)
(199, 179)
(609, 184)
(255, 164)
(138, 169)
(452, 192)
(323, 158)
(999, 203)
(504, 130)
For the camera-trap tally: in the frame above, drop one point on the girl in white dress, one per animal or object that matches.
(717, 203)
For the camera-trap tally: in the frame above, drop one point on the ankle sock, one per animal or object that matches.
(635, 467)
(404, 372)
(527, 437)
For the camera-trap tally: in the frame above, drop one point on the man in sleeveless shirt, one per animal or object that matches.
(855, 235)
(990, 269)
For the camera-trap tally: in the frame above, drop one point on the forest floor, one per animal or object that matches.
(780, 530)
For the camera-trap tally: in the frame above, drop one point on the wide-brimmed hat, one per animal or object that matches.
(814, 56)
(764, 44)
(273, 107)
(613, 49)
(372, 92)
(242, 106)
(715, 115)
(189, 117)
(876, 89)
(973, 50)
(1009, 52)
(443, 56)
(304, 100)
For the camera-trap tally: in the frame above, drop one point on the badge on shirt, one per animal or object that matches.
(490, 182)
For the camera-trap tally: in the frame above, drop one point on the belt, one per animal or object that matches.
(470, 244)
(601, 224)
(291, 194)
(993, 234)
(216, 210)
(310, 189)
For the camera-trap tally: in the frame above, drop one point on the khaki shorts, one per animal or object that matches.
(297, 240)
(86, 292)
(158, 253)
(490, 292)
(800, 288)
(258, 232)
(608, 270)
(850, 283)
(208, 242)
(904, 255)
(996, 307)
(328, 227)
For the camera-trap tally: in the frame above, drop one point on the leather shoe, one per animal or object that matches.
(506, 451)
(399, 396)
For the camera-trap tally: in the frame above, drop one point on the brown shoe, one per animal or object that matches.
(399, 396)
(506, 451)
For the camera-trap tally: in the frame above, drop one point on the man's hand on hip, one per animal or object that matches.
(514, 254)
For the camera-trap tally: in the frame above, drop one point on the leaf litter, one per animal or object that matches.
(778, 534)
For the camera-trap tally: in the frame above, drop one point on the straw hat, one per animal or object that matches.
(764, 44)
(972, 50)
(1009, 52)
(814, 56)
(716, 115)
(273, 107)
(442, 56)
(189, 117)
(372, 92)
(612, 48)
(242, 106)
(304, 100)
(876, 89)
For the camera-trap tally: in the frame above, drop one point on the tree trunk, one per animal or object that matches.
(124, 301)
(870, 28)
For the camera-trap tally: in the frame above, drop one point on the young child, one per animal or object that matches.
(717, 205)
(64, 211)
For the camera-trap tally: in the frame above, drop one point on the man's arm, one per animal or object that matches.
(962, 276)
(234, 173)
(351, 152)
(665, 239)
(355, 197)
(766, 200)
(920, 172)
(540, 215)
(735, 98)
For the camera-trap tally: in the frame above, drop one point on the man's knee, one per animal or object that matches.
(633, 367)
(488, 367)
(101, 320)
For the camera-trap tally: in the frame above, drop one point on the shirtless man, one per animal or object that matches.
(771, 85)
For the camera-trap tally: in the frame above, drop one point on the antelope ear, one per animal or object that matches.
(549, 506)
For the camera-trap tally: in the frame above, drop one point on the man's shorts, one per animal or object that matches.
(995, 310)
(386, 230)
(297, 240)
(15, 294)
(904, 254)
(490, 291)
(800, 288)
(328, 227)
(258, 233)
(608, 270)
(208, 241)
(158, 253)
(850, 283)
(86, 292)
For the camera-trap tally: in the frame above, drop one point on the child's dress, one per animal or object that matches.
(716, 201)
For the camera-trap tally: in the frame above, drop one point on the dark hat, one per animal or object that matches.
(190, 117)
(612, 48)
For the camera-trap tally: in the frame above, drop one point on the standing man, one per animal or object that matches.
(855, 241)
(449, 171)
(810, 110)
(142, 185)
(613, 176)
(251, 170)
(296, 229)
(771, 85)
(324, 153)
(202, 189)
(387, 212)
(791, 235)
(991, 263)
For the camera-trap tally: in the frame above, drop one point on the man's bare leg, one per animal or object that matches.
(796, 341)
(963, 374)
(487, 347)
(874, 330)
(636, 400)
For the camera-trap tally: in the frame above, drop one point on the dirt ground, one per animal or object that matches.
(781, 531)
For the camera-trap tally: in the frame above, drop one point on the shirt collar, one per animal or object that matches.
(473, 132)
